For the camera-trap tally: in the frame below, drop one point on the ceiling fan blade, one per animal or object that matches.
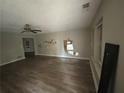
(28, 28)
(23, 31)
(33, 32)
(37, 30)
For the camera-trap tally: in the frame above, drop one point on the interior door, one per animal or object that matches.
(108, 68)
(28, 44)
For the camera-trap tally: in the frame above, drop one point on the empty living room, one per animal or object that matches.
(61, 46)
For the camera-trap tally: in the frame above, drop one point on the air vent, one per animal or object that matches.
(86, 5)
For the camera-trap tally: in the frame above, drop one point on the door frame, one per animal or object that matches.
(28, 54)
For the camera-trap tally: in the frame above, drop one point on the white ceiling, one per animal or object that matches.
(49, 15)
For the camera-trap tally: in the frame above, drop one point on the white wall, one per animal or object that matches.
(0, 48)
(0, 26)
(12, 44)
(113, 32)
(12, 48)
(81, 40)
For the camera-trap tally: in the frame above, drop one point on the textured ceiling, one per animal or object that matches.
(49, 15)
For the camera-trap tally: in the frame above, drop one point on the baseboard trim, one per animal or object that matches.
(95, 68)
(94, 75)
(5, 63)
(82, 58)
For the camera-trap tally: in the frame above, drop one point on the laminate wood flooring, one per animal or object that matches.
(43, 74)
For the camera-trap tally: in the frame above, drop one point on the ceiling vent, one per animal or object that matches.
(86, 5)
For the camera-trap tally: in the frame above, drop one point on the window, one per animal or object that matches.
(69, 48)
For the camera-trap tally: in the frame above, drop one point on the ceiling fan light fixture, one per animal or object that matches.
(86, 5)
(28, 28)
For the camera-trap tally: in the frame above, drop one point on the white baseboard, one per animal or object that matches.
(5, 63)
(82, 58)
(95, 68)
(94, 76)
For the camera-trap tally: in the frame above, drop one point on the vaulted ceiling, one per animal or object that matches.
(49, 15)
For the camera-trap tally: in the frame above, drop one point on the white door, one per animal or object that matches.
(28, 44)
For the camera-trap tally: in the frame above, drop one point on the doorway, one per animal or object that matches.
(28, 44)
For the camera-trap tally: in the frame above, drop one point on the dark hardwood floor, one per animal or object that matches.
(47, 75)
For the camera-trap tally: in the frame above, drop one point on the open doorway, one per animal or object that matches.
(28, 44)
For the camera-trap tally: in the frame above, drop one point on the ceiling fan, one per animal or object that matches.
(28, 28)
